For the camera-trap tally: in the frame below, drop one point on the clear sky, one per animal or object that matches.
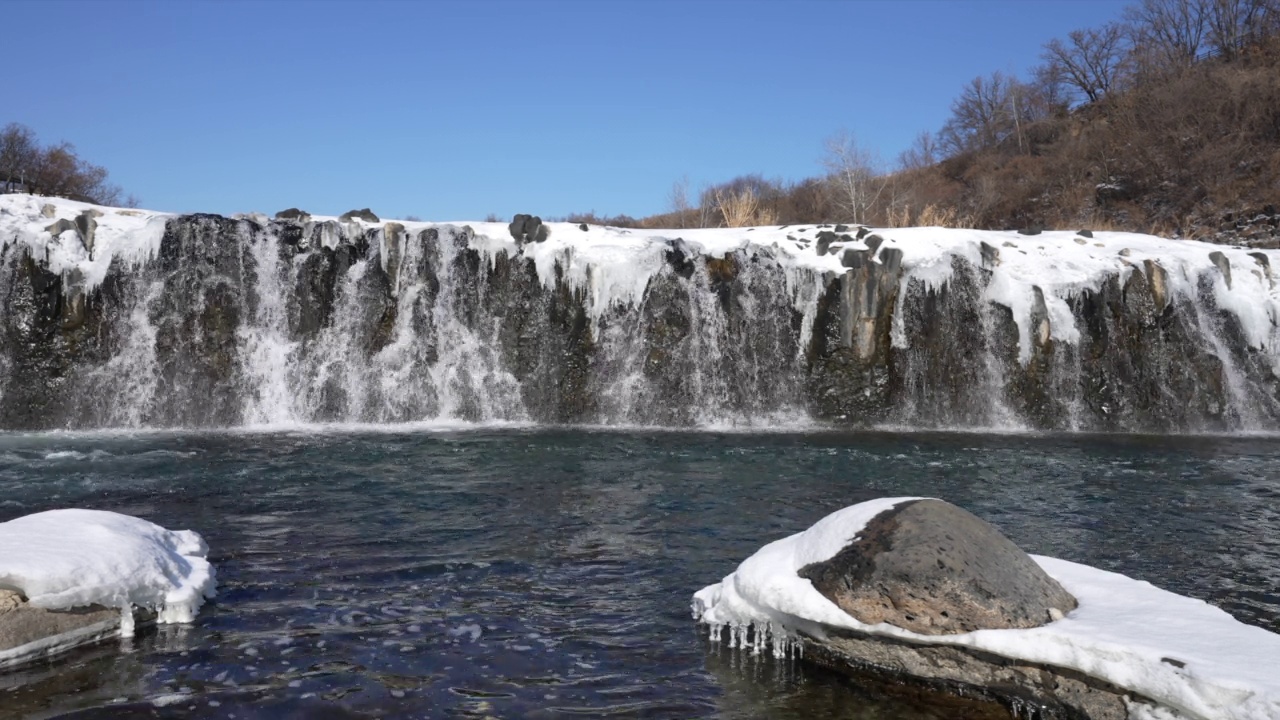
(454, 110)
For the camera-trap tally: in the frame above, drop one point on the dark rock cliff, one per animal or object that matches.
(249, 320)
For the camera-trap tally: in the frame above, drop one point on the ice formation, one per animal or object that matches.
(1192, 658)
(62, 559)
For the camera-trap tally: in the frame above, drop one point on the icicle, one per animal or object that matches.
(126, 621)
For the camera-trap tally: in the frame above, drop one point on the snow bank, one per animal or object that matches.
(133, 236)
(62, 559)
(1183, 653)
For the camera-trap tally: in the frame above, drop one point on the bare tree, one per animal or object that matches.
(855, 176)
(679, 201)
(19, 151)
(1231, 24)
(56, 170)
(985, 113)
(922, 153)
(1171, 31)
(1090, 62)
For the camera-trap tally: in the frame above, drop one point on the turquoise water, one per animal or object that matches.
(540, 573)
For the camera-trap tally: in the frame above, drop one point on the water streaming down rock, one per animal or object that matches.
(250, 321)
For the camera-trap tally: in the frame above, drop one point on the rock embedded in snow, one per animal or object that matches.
(365, 214)
(28, 634)
(933, 568)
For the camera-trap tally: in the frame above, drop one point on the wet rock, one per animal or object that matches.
(1017, 689)
(1031, 231)
(1040, 318)
(873, 242)
(933, 568)
(366, 215)
(1264, 262)
(583, 227)
(29, 634)
(842, 228)
(1085, 233)
(1223, 264)
(680, 257)
(990, 255)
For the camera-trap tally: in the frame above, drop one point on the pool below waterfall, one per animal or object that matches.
(516, 572)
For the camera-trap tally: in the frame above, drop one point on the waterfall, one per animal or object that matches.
(198, 321)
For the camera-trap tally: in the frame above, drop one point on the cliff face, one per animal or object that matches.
(201, 320)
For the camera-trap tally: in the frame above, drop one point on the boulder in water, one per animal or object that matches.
(933, 568)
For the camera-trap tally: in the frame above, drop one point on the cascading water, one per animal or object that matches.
(207, 321)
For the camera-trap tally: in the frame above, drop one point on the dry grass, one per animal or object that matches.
(744, 209)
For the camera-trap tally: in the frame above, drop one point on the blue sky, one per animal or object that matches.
(454, 110)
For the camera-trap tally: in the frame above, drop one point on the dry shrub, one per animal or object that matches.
(744, 209)
(940, 216)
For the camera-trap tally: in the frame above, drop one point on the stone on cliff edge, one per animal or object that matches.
(528, 228)
(60, 227)
(293, 214)
(366, 214)
(1223, 264)
(87, 224)
(933, 568)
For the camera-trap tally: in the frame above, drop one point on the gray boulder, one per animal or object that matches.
(1221, 262)
(294, 214)
(365, 214)
(60, 227)
(528, 228)
(933, 568)
(87, 224)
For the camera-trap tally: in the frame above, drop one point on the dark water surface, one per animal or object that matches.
(538, 573)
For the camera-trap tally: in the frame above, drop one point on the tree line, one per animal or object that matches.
(55, 170)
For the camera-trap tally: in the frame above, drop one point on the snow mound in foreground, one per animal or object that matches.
(62, 559)
(1183, 653)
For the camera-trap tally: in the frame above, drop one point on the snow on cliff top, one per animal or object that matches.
(1122, 632)
(614, 264)
(62, 559)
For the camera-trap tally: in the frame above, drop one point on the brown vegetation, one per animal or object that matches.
(1168, 123)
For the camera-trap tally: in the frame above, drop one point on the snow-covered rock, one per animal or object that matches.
(1172, 656)
(63, 560)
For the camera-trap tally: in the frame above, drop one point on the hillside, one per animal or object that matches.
(1189, 150)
